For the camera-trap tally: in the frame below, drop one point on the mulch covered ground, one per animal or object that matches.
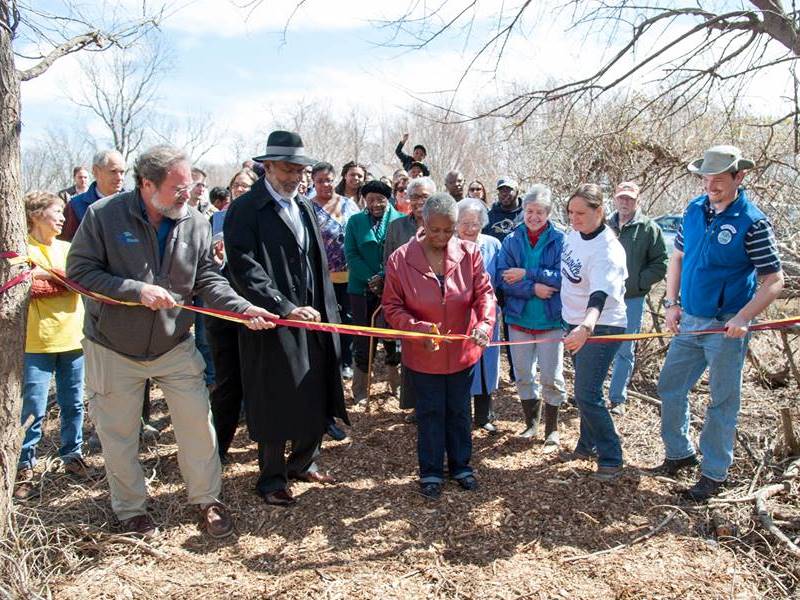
(538, 527)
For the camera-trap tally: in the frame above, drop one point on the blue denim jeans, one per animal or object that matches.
(201, 343)
(623, 361)
(443, 424)
(38, 370)
(597, 431)
(687, 358)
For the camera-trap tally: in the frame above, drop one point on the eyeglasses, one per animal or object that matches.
(422, 196)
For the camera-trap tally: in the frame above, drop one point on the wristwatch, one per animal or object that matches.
(667, 303)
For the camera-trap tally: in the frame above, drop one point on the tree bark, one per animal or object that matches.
(14, 303)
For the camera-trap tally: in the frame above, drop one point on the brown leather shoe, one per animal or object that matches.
(216, 520)
(315, 477)
(279, 498)
(140, 525)
(78, 468)
(24, 487)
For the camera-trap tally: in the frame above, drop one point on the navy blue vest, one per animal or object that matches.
(717, 276)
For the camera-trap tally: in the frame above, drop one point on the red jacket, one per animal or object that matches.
(413, 301)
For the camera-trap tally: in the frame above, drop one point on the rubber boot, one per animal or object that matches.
(359, 386)
(533, 412)
(551, 436)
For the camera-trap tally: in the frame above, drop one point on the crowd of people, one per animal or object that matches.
(285, 239)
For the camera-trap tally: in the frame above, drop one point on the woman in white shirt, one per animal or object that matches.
(593, 303)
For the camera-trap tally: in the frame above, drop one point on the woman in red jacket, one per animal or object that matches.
(437, 281)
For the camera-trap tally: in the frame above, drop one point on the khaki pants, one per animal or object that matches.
(116, 387)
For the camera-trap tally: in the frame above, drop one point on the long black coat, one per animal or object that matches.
(285, 397)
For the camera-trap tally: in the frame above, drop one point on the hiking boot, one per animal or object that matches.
(552, 440)
(347, 372)
(671, 466)
(24, 487)
(140, 526)
(215, 520)
(468, 483)
(432, 490)
(77, 467)
(607, 473)
(702, 490)
(533, 413)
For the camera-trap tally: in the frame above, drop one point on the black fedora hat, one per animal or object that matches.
(286, 146)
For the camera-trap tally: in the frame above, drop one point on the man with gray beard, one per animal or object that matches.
(148, 248)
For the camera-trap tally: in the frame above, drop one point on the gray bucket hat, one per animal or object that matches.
(720, 159)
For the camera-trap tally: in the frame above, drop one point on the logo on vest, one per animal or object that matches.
(726, 234)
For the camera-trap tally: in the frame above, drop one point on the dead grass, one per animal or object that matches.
(524, 534)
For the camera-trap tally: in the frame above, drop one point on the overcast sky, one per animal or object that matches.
(236, 65)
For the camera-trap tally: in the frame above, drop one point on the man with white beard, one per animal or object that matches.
(291, 381)
(147, 247)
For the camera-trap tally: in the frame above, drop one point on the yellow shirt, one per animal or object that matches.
(55, 324)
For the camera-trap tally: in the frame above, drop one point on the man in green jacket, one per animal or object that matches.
(363, 247)
(646, 256)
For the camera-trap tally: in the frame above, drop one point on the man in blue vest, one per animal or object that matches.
(723, 273)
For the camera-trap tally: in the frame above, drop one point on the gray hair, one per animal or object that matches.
(468, 205)
(103, 157)
(440, 204)
(420, 182)
(154, 163)
(539, 194)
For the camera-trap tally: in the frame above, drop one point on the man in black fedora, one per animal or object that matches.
(291, 379)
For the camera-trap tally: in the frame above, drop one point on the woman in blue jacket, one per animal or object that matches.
(472, 218)
(529, 268)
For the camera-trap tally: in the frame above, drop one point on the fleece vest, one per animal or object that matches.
(717, 276)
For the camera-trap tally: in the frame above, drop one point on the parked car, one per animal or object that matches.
(669, 225)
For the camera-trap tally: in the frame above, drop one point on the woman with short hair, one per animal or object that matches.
(472, 218)
(52, 346)
(530, 278)
(593, 303)
(438, 282)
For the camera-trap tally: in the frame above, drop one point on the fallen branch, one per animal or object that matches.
(766, 520)
(619, 547)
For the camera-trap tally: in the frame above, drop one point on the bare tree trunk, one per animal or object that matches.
(13, 304)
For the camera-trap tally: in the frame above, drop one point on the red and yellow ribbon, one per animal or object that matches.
(358, 330)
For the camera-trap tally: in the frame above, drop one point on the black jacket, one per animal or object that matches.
(268, 267)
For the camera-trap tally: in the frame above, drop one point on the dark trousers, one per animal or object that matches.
(276, 469)
(226, 398)
(597, 431)
(201, 342)
(443, 424)
(363, 306)
(482, 403)
(346, 341)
